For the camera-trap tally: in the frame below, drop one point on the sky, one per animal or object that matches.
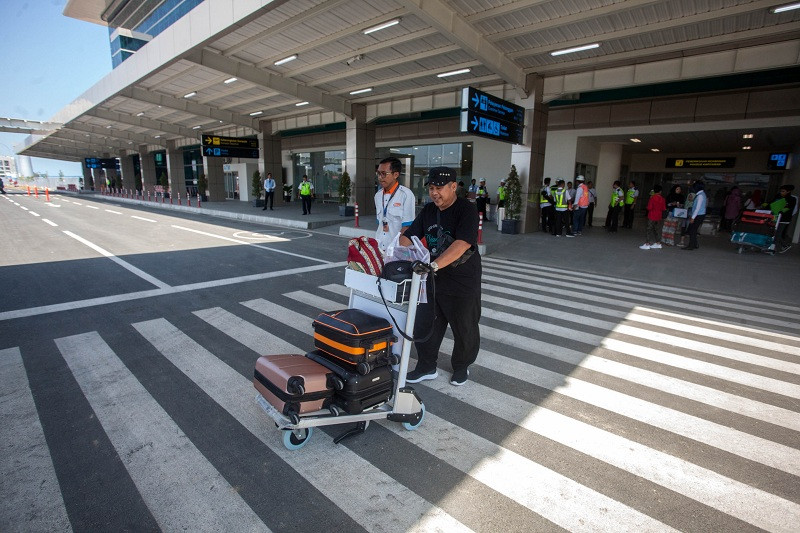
(48, 61)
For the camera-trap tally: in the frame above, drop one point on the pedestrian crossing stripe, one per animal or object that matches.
(654, 428)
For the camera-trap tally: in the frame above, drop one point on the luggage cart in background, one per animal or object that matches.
(404, 405)
(756, 230)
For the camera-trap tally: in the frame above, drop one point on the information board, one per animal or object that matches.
(778, 161)
(230, 142)
(96, 162)
(488, 116)
(701, 162)
(222, 151)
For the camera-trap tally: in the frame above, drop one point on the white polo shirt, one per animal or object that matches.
(398, 209)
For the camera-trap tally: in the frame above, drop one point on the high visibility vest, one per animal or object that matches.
(543, 199)
(630, 196)
(305, 188)
(615, 199)
(501, 193)
(582, 196)
(561, 199)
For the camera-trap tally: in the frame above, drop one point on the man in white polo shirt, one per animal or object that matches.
(395, 205)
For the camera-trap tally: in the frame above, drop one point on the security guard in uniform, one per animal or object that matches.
(306, 189)
(546, 205)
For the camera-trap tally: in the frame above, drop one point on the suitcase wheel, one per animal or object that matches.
(363, 368)
(296, 439)
(335, 409)
(411, 426)
(393, 359)
(337, 382)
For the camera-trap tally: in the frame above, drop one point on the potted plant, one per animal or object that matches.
(287, 192)
(202, 187)
(256, 189)
(344, 196)
(164, 182)
(513, 203)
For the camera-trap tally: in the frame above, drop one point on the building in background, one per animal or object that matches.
(8, 167)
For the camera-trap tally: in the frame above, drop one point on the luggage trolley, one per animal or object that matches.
(756, 230)
(404, 405)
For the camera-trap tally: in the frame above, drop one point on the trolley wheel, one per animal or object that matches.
(363, 368)
(294, 418)
(296, 439)
(411, 427)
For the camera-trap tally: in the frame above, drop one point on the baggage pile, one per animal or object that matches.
(348, 377)
(755, 230)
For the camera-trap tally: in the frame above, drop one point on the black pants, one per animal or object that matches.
(547, 219)
(268, 198)
(590, 214)
(306, 199)
(481, 204)
(612, 219)
(562, 221)
(462, 313)
(627, 219)
(692, 230)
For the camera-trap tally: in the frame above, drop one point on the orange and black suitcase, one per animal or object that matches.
(294, 384)
(354, 339)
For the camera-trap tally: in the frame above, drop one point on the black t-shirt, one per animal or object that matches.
(460, 221)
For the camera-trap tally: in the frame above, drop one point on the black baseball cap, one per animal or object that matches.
(439, 176)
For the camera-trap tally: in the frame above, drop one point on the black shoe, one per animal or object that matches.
(417, 375)
(264, 209)
(691, 248)
(459, 377)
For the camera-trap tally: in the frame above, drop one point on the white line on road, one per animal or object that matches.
(111, 211)
(142, 218)
(50, 222)
(124, 264)
(106, 300)
(77, 203)
(51, 204)
(250, 244)
(92, 207)
(24, 208)
(34, 214)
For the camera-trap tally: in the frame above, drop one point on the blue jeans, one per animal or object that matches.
(578, 219)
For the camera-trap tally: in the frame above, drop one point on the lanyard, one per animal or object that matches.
(387, 204)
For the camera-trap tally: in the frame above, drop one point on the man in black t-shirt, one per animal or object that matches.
(450, 227)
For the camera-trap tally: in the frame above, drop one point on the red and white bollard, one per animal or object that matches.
(188, 199)
(148, 196)
(36, 191)
(480, 228)
(356, 212)
(46, 194)
(198, 199)
(162, 197)
(179, 198)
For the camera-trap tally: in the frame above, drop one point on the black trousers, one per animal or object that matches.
(590, 214)
(692, 230)
(612, 219)
(547, 219)
(306, 199)
(562, 221)
(462, 313)
(627, 219)
(269, 197)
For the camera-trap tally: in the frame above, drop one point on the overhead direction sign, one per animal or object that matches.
(222, 151)
(97, 162)
(488, 116)
(701, 162)
(230, 142)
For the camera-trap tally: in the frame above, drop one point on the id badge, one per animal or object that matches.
(385, 226)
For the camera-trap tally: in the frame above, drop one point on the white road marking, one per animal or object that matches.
(76, 203)
(34, 214)
(111, 211)
(51, 204)
(369, 498)
(124, 264)
(142, 218)
(92, 207)
(238, 241)
(117, 298)
(50, 222)
(24, 208)
(31, 495)
(152, 446)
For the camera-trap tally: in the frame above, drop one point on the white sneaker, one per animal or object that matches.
(656, 246)
(644, 247)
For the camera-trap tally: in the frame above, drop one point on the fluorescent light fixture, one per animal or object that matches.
(108, 127)
(361, 91)
(635, 140)
(383, 26)
(189, 95)
(256, 113)
(786, 7)
(654, 150)
(230, 80)
(158, 136)
(285, 60)
(196, 127)
(140, 113)
(576, 49)
(298, 104)
(453, 73)
(747, 136)
(746, 147)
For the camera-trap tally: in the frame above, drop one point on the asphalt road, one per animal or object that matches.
(127, 343)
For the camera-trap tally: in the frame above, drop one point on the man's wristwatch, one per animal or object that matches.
(434, 266)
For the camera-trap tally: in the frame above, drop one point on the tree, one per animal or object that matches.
(513, 195)
(256, 185)
(344, 188)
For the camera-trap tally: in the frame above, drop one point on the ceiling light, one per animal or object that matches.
(140, 113)
(746, 147)
(158, 136)
(285, 60)
(230, 80)
(196, 128)
(453, 73)
(747, 136)
(635, 140)
(787, 7)
(108, 127)
(383, 26)
(654, 150)
(298, 104)
(189, 95)
(361, 91)
(255, 113)
(576, 49)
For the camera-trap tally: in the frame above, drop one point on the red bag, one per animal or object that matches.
(363, 255)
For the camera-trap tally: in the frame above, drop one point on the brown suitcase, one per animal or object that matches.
(293, 384)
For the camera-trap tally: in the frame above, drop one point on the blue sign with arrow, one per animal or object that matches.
(488, 116)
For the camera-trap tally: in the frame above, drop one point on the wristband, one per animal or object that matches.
(434, 266)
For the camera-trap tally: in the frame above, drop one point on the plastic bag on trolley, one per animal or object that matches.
(396, 252)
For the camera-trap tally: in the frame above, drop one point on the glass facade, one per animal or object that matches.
(192, 168)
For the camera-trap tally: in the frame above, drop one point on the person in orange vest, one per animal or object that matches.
(580, 204)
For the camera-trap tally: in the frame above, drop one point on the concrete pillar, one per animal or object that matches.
(528, 157)
(88, 180)
(148, 167)
(111, 175)
(360, 159)
(177, 180)
(609, 165)
(127, 169)
(270, 161)
(216, 178)
(98, 179)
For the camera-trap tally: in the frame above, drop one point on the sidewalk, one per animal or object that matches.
(715, 267)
